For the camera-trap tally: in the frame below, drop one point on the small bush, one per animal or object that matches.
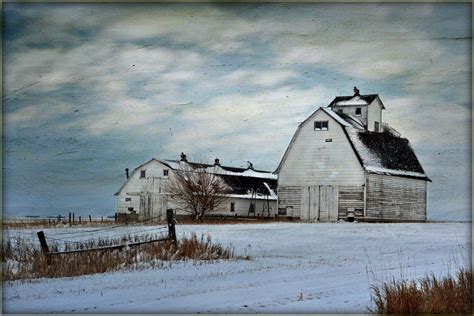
(429, 295)
(22, 260)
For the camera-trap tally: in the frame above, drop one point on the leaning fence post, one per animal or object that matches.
(44, 246)
(171, 225)
(70, 223)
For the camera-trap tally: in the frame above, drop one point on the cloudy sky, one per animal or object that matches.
(90, 89)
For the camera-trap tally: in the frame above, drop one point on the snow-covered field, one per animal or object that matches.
(295, 267)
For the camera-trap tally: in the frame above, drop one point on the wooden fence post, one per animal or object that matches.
(44, 246)
(79, 219)
(70, 216)
(116, 216)
(171, 226)
(102, 219)
(90, 218)
(73, 218)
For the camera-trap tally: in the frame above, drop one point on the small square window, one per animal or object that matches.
(321, 125)
(358, 111)
(142, 173)
(128, 199)
(165, 172)
(340, 111)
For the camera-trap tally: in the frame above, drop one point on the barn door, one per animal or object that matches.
(329, 203)
(305, 204)
(145, 200)
(158, 207)
(309, 203)
(314, 203)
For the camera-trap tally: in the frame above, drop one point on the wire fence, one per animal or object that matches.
(79, 239)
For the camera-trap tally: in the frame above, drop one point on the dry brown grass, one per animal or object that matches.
(22, 260)
(429, 295)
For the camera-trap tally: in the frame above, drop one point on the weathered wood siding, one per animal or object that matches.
(289, 197)
(351, 197)
(313, 160)
(395, 198)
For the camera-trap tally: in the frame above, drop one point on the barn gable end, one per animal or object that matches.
(358, 167)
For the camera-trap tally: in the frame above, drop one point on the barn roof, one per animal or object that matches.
(383, 153)
(355, 100)
(240, 180)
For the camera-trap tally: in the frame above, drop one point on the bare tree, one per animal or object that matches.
(197, 191)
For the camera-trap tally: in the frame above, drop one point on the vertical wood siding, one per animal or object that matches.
(395, 198)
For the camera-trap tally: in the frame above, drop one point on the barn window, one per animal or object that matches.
(165, 173)
(232, 206)
(358, 111)
(128, 199)
(130, 209)
(142, 173)
(321, 125)
(340, 111)
(376, 126)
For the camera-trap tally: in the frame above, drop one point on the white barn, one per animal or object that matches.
(342, 160)
(142, 193)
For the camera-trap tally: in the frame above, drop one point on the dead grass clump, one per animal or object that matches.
(429, 295)
(22, 260)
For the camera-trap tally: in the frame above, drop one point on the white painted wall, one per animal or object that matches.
(153, 183)
(313, 161)
(374, 114)
(351, 110)
(135, 186)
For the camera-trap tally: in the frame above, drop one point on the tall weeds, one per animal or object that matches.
(22, 260)
(429, 295)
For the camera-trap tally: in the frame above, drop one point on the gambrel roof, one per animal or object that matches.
(377, 152)
(240, 180)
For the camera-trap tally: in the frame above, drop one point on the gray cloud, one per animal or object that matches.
(128, 82)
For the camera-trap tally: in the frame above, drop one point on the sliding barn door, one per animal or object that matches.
(319, 203)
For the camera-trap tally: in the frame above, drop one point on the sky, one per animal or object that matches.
(92, 89)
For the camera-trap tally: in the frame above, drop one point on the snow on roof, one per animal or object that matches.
(251, 196)
(222, 170)
(355, 122)
(349, 100)
(356, 100)
(386, 153)
(334, 115)
(396, 172)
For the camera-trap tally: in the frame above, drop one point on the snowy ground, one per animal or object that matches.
(295, 267)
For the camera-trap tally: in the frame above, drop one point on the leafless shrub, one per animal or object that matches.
(197, 190)
(22, 260)
(429, 295)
